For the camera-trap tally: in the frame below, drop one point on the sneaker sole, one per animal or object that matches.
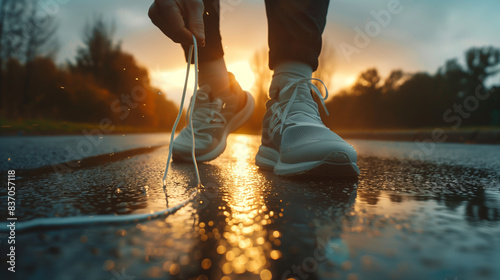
(334, 164)
(236, 122)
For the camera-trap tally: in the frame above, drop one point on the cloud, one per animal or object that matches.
(420, 38)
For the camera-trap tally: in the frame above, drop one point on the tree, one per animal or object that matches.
(38, 32)
(10, 35)
(358, 106)
(98, 52)
(495, 102)
(3, 6)
(262, 74)
(325, 71)
(394, 81)
(38, 39)
(454, 79)
(369, 98)
(367, 82)
(24, 35)
(2, 18)
(134, 100)
(482, 63)
(14, 73)
(11, 43)
(326, 66)
(389, 91)
(418, 102)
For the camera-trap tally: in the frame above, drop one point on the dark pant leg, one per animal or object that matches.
(213, 42)
(295, 28)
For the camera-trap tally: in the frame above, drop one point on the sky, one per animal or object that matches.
(418, 36)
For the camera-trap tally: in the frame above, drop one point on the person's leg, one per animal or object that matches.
(221, 105)
(212, 67)
(294, 34)
(294, 29)
(294, 139)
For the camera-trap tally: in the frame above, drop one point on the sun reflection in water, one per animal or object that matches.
(246, 245)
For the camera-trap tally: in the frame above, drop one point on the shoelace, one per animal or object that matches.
(208, 113)
(73, 222)
(296, 83)
(193, 48)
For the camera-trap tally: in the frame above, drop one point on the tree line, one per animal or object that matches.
(455, 96)
(102, 81)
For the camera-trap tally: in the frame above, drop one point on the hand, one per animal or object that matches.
(169, 15)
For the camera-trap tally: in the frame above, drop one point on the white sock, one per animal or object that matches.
(286, 71)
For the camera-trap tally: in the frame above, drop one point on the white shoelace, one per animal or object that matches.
(85, 221)
(308, 81)
(193, 48)
(208, 113)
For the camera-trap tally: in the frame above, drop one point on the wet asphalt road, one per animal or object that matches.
(415, 212)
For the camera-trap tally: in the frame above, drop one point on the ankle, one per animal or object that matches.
(287, 71)
(293, 69)
(214, 74)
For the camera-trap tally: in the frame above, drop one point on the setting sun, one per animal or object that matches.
(172, 82)
(243, 73)
(340, 81)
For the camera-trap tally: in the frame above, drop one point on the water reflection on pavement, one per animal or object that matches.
(432, 218)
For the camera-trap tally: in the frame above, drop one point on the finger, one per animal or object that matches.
(167, 17)
(195, 10)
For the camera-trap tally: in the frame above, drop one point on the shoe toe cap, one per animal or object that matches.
(316, 146)
(183, 143)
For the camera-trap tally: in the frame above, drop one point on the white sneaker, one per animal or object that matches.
(294, 139)
(213, 121)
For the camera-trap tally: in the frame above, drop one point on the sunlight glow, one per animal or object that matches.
(341, 81)
(172, 82)
(246, 244)
(243, 73)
